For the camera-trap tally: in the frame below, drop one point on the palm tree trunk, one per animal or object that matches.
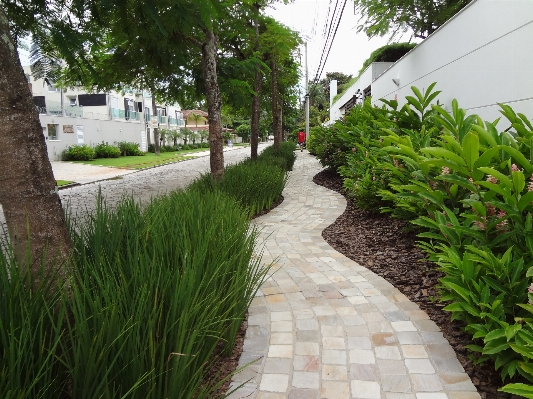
(214, 105)
(31, 204)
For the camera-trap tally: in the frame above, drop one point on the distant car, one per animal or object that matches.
(270, 138)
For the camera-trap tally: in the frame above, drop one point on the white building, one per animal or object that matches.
(72, 116)
(481, 57)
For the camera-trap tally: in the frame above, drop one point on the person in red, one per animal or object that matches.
(301, 140)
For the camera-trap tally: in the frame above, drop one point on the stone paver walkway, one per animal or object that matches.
(323, 326)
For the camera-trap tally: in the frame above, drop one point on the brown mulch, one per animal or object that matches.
(383, 245)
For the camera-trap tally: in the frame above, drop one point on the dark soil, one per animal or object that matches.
(383, 245)
(224, 366)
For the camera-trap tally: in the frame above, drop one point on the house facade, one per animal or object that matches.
(479, 57)
(73, 116)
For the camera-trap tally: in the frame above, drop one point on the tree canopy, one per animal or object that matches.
(395, 17)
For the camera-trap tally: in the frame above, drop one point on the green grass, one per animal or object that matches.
(60, 183)
(138, 162)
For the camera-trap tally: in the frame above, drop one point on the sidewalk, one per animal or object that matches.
(323, 326)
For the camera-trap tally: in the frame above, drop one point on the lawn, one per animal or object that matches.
(60, 183)
(137, 162)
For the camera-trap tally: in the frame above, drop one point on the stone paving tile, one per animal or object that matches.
(323, 326)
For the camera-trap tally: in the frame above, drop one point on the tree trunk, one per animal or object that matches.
(256, 101)
(32, 207)
(214, 105)
(275, 105)
(156, 130)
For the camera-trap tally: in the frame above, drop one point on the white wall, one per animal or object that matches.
(371, 73)
(482, 56)
(94, 132)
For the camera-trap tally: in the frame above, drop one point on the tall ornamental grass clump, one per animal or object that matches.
(159, 287)
(30, 332)
(254, 185)
(285, 152)
(157, 293)
(467, 186)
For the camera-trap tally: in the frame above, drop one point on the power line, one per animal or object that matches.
(323, 64)
(331, 23)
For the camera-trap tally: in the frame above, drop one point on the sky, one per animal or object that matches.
(349, 49)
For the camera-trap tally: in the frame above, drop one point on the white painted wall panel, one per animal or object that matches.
(484, 55)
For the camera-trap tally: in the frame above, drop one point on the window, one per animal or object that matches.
(54, 88)
(73, 101)
(53, 132)
(128, 108)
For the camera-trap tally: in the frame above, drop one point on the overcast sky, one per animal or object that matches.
(349, 50)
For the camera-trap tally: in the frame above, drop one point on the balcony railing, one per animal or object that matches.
(72, 111)
(175, 121)
(117, 113)
(162, 119)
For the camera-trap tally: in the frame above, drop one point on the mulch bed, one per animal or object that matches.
(382, 244)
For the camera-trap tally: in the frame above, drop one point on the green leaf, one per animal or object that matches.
(464, 293)
(495, 346)
(443, 153)
(485, 135)
(500, 176)
(471, 149)
(466, 126)
(486, 157)
(529, 272)
(454, 307)
(527, 307)
(442, 162)
(523, 350)
(518, 181)
(519, 389)
(496, 188)
(459, 180)
(519, 157)
(511, 331)
(495, 334)
(525, 200)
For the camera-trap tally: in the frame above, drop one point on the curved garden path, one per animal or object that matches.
(323, 326)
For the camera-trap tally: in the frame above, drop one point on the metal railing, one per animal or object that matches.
(117, 113)
(73, 111)
(175, 121)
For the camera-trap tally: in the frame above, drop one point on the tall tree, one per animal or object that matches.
(31, 204)
(422, 17)
(154, 44)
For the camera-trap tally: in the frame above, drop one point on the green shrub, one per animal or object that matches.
(468, 189)
(286, 152)
(129, 149)
(105, 150)
(78, 153)
(255, 185)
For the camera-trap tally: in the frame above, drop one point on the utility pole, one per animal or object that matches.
(306, 96)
